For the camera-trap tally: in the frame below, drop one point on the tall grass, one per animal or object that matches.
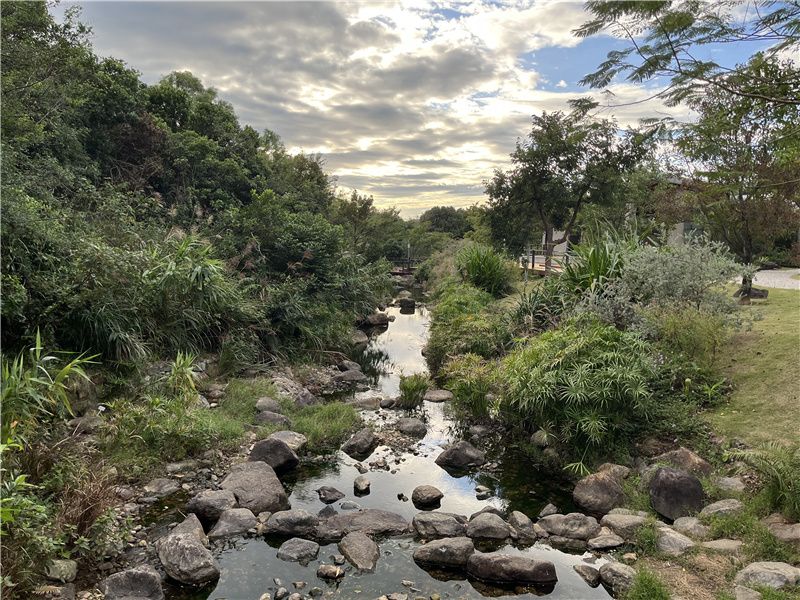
(471, 379)
(412, 390)
(486, 269)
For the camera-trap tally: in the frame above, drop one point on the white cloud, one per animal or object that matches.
(561, 84)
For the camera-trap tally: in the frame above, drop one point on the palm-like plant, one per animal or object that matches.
(779, 465)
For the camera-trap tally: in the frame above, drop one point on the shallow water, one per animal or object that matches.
(250, 567)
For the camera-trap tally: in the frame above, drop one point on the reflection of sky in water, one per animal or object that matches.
(248, 569)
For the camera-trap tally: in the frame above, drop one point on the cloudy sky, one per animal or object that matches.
(413, 102)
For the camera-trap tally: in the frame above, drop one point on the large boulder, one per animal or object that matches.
(426, 497)
(504, 568)
(431, 525)
(523, 527)
(447, 553)
(232, 522)
(599, 492)
(276, 454)
(210, 504)
(296, 441)
(362, 552)
(184, 555)
(675, 493)
(617, 578)
(377, 319)
(412, 427)
(575, 526)
(361, 444)
(138, 583)
(623, 525)
(775, 575)
(488, 526)
(294, 523)
(298, 550)
(371, 521)
(257, 487)
(461, 455)
(685, 460)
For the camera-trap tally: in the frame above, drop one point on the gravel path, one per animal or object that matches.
(778, 278)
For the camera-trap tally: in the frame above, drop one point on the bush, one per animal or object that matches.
(686, 330)
(779, 466)
(647, 586)
(591, 265)
(541, 308)
(486, 269)
(412, 390)
(326, 426)
(586, 383)
(471, 379)
(759, 543)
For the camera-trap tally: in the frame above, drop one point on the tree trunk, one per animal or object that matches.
(548, 250)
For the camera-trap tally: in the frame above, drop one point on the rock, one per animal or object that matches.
(298, 550)
(730, 506)
(504, 568)
(293, 523)
(387, 402)
(256, 487)
(234, 521)
(412, 427)
(448, 553)
(305, 398)
(574, 525)
(675, 493)
(549, 509)
(348, 365)
(406, 303)
(184, 556)
(276, 454)
(63, 570)
(359, 339)
(161, 487)
(786, 532)
(523, 527)
(431, 525)
(350, 377)
(630, 557)
(724, 546)
(691, 526)
(618, 471)
(267, 417)
(617, 578)
(329, 495)
(377, 319)
(460, 455)
(566, 544)
(373, 522)
(350, 505)
(426, 496)
(361, 485)
(623, 525)
(366, 401)
(266, 403)
(672, 543)
(330, 572)
(775, 575)
(360, 550)
(483, 492)
(588, 573)
(438, 396)
(730, 485)
(742, 593)
(137, 583)
(605, 542)
(208, 505)
(361, 444)
(488, 527)
(296, 441)
(183, 466)
(685, 460)
(327, 512)
(599, 492)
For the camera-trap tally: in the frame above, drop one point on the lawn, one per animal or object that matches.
(764, 366)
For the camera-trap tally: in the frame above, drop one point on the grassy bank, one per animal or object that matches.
(762, 364)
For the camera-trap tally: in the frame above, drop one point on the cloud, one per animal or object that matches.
(413, 102)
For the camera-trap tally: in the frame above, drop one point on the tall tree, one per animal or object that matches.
(446, 219)
(566, 162)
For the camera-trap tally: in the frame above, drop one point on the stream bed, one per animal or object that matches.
(250, 567)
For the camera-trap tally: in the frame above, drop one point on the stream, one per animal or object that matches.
(250, 566)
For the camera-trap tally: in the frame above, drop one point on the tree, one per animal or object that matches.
(446, 219)
(744, 162)
(566, 162)
(675, 39)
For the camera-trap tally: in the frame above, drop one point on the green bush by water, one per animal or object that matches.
(486, 269)
(412, 390)
(471, 379)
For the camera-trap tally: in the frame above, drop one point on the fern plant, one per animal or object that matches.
(779, 465)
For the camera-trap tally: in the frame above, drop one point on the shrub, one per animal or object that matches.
(759, 542)
(591, 265)
(779, 466)
(647, 586)
(486, 269)
(412, 390)
(587, 383)
(686, 330)
(471, 379)
(541, 308)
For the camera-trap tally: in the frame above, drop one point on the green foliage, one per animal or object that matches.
(779, 466)
(759, 543)
(447, 219)
(591, 265)
(586, 383)
(412, 390)
(471, 379)
(647, 586)
(541, 308)
(326, 426)
(486, 269)
(646, 539)
(686, 331)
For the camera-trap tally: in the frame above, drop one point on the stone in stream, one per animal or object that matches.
(460, 455)
(329, 572)
(234, 521)
(523, 527)
(371, 521)
(426, 497)
(329, 495)
(504, 568)
(361, 444)
(359, 339)
(675, 493)
(161, 487)
(599, 492)
(138, 583)
(296, 441)
(350, 378)
(588, 573)
(573, 525)
(617, 578)
(488, 527)
(184, 555)
(256, 486)
(267, 403)
(295, 523)
(685, 460)
(298, 550)
(348, 365)
(412, 427)
(361, 485)
(775, 575)
(377, 319)
(360, 550)
(438, 396)
(549, 509)
(448, 553)
(730, 506)
(276, 454)
(431, 525)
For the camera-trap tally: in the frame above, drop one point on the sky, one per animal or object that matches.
(414, 103)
